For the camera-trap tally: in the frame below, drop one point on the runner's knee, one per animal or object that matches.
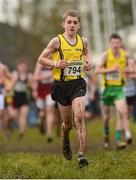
(106, 117)
(67, 125)
(123, 111)
(79, 116)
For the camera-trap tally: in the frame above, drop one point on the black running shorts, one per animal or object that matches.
(131, 100)
(64, 92)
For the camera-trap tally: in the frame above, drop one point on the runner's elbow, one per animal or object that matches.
(97, 70)
(40, 61)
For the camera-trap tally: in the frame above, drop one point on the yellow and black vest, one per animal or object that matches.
(73, 54)
(115, 78)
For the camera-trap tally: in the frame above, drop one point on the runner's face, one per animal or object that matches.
(71, 25)
(115, 44)
(22, 68)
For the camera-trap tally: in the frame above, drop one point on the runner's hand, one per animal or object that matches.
(34, 94)
(88, 66)
(114, 69)
(61, 64)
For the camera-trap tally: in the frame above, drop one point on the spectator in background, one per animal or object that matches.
(45, 104)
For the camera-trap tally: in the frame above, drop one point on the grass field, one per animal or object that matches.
(33, 157)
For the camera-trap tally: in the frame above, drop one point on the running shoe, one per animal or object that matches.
(106, 142)
(82, 161)
(121, 145)
(128, 137)
(129, 140)
(66, 149)
(49, 139)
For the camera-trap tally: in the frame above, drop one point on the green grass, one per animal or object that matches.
(33, 157)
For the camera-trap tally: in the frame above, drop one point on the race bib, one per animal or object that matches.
(20, 87)
(2, 101)
(74, 69)
(113, 76)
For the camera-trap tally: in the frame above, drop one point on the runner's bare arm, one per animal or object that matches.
(43, 59)
(37, 71)
(7, 72)
(52, 46)
(100, 69)
(127, 57)
(86, 55)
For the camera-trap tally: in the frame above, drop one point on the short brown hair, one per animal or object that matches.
(71, 12)
(22, 60)
(115, 36)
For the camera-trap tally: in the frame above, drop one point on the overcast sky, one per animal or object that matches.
(12, 4)
(9, 17)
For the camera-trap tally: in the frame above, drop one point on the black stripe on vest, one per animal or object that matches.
(62, 77)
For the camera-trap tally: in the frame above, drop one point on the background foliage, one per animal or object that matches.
(30, 24)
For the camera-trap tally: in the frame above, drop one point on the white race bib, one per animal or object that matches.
(20, 87)
(74, 68)
(113, 76)
(2, 101)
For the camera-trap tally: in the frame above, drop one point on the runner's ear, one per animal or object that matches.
(62, 24)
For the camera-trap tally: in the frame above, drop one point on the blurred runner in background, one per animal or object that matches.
(45, 104)
(130, 85)
(5, 76)
(21, 84)
(114, 62)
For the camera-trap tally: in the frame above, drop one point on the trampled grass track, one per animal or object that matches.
(33, 157)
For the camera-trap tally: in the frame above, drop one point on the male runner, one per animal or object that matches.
(112, 67)
(69, 59)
